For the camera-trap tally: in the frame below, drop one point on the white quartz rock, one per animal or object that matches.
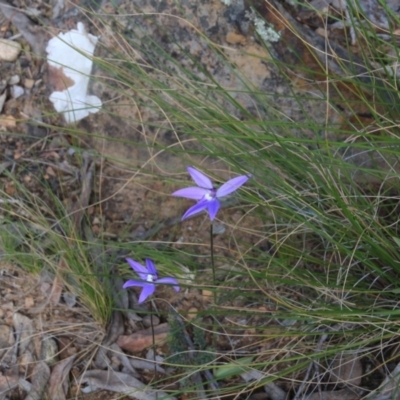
(70, 64)
(9, 50)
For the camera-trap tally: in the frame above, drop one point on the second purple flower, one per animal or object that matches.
(206, 194)
(148, 279)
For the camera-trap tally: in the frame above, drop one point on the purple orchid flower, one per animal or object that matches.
(205, 193)
(148, 279)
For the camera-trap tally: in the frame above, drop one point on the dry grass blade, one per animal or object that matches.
(327, 63)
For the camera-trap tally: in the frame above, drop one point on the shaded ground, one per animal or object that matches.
(122, 205)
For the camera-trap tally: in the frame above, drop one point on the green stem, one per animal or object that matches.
(212, 260)
(154, 341)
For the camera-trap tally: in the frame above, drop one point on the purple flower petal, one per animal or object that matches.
(133, 282)
(195, 193)
(232, 185)
(205, 194)
(140, 269)
(201, 180)
(151, 268)
(213, 207)
(147, 291)
(171, 281)
(200, 206)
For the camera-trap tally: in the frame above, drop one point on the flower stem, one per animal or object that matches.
(212, 260)
(154, 341)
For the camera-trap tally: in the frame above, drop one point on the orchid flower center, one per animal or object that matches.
(150, 278)
(210, 195)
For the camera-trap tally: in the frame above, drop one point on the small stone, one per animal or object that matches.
(96, 221)
(29, 301)
(9, 50)
(148, 318)
(218, 229)
(28, 83)
(17, 91)
(235, 38)
(49, 350)
(14, 80)
(207, 294)
(322, 32)
(70, 299)
(7, 121)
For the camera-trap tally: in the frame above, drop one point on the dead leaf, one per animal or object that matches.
(40, 377)
(58, 384)
(115, 328)
(2, 100)
(344, 394)
(24, 331)
(120, 383)
(143, 339)
(66, 347)
(6, 338)
(124, 359)
(50, 171)
(389, 388)
(57, 287)
(273, 391)
(346, 369)
(8, 383)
